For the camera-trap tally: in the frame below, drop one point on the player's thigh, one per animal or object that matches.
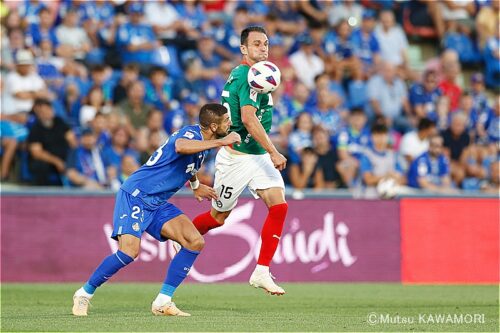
(232, 175)
(267, 182)
(163, 214)
(182, 230)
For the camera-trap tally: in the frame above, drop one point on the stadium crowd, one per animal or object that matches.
(90, 89)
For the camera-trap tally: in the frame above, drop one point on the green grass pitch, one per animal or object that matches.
(308, 307)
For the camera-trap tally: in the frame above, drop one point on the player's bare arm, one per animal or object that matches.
(202, 191)
(186, 146)
(254, 127)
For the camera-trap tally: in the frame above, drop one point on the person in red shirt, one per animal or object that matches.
(449, 87)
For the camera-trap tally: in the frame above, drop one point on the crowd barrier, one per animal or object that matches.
(61, 238)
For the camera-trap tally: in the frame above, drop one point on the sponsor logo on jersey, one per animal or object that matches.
(253, 95)
(189, 135)
(136, 227)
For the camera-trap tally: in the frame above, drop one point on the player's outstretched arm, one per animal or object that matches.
(186, 147)
(254, 127)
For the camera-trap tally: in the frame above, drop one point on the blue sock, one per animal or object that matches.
(109, 266)
(178, 270)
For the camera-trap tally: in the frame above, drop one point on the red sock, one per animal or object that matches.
(273, 226)
(205, 222)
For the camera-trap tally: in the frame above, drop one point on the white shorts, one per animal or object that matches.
(234, 172)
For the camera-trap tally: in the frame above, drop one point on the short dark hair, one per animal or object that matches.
(379, 128)
(425, 123)
(157, 69)
(211, 113)
(42, 101)
(357, 110)
(248, 30)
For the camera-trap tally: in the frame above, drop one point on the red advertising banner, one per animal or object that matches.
(450, 240)
(63, 238)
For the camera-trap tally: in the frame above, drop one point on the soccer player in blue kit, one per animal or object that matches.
(141, 206)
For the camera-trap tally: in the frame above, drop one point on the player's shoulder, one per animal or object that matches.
(190, 132)
(240, 72)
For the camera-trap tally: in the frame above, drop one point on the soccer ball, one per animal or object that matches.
(387, 188)
(264, 77)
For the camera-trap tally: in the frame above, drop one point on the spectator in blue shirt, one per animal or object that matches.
(379, 162)
(491, 54)
(136, 39)
(120, 147)
(328, 113)
(365, 43)
(424, 97)
(431, 170)
(228, 36)
(493, 128)
(29, 10)
(85, 166)
(477, 89)
(354, 137)
(159, 89)
(206, 51)
(350, 143)
(43, 29)
(343, 50)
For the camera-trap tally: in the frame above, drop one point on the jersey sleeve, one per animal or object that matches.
(188, 133)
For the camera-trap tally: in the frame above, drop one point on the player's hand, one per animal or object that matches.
(231, 138)
(278, 160)
(204, 192)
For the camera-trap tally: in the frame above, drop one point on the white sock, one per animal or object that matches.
(82, 292)
(262, 269)
(162, 299)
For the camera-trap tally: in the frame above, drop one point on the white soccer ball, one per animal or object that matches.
(264, 77)
(386, 188)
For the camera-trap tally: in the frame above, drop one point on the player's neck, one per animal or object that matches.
(207, 135)
(246, 61)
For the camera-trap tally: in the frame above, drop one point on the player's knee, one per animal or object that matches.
(220, 217)
(130, 248)
(279, 210)
(196, 243)
(131, 251)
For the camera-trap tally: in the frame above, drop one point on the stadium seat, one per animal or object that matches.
(423, 31)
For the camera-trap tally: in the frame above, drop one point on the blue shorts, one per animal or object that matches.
(10, 129)
(131, 216)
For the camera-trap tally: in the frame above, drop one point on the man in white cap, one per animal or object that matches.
(22, 86)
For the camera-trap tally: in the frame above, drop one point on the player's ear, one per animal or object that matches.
(243, 49)
(213, 127)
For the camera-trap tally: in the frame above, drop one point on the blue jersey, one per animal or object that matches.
(166, 171)
(365, 46)
(354, 142)
(420, 96)
(432, 169)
